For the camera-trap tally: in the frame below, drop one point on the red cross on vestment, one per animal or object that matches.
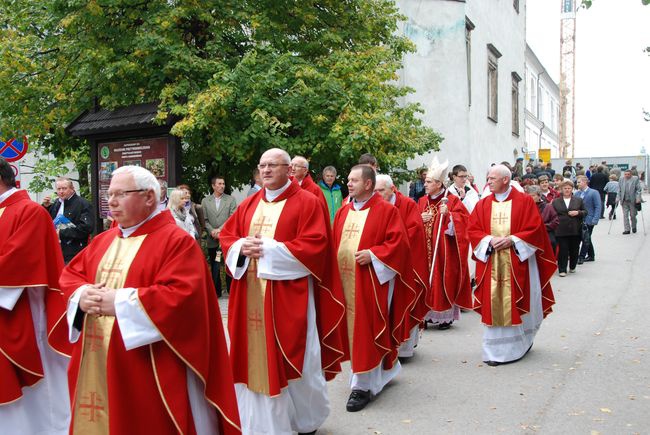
(91, 406)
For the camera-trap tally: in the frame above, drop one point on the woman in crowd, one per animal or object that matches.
(194, 211)
(176, 205)
(570, 211)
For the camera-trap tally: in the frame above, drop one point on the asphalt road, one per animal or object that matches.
(587, 373)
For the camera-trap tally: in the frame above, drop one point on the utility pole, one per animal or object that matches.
(567, 78)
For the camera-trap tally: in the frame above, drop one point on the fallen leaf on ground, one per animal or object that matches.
(607, 410)
(406, 421)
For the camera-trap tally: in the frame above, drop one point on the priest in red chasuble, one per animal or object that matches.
(150, 353)
(408, 211)
(515, 263)
(33, 344)
(300, 173)
(286, 310)
(445, 223)
(377, 276)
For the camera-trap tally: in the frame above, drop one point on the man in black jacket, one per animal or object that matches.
(598, 181)
(73, 218)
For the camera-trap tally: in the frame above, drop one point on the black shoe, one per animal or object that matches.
(358, 400)
(589, 259)
(634, 230)
(444, 326)
(497, 363)
(493, 363)
(614, 217)
(308, 433)
(626, 232)
(581, 260)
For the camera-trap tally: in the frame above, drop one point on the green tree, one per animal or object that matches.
(317, 78)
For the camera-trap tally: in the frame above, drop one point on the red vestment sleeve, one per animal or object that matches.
(30, 257)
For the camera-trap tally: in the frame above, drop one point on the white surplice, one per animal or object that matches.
(45, 406)
(509, 343)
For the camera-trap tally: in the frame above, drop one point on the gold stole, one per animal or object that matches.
(2, 210)
(355, 221)
(501, 296)
(264, 222)
(91, 396)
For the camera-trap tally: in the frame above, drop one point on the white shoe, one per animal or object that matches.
(562, 274)
(572, 271)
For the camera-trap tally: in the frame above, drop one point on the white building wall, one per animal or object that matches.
(542, 108)
(438, 73)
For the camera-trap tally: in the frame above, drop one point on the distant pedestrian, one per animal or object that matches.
(194, 211)
(416, 190)
(176, 206)
(256, 184)
(331, 190)
(597, 182)
(217, 207)
(613, 191)
(73, 218)
(571, 212)
(630, 196)
(591, 200)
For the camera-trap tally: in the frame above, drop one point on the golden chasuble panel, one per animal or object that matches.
(501, 291)
(2, 210)
(353, 227)
(91, 397)
(264, 222)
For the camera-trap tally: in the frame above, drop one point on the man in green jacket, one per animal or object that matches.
(331, 191)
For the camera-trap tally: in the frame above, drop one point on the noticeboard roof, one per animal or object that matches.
(100, 121)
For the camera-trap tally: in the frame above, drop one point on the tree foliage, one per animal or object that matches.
(317, 78)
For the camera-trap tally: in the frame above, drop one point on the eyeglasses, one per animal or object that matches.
(121, 194)
(263, 166)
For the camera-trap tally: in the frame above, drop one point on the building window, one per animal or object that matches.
(493, 82)
(469, 26)
(515, 103)
(515, 4)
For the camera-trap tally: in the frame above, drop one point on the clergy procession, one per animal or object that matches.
(128, 337)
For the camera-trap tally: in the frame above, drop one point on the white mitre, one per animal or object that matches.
(437, 170)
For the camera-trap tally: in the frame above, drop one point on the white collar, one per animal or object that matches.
(271, 195)
(393, 199)
(126, 232)
(8, 193)
(502, 196)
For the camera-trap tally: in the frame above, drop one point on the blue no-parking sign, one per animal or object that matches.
(13, 149)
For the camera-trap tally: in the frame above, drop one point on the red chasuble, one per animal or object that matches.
(30, 257)
(375, 332)
(451, 282)
(310, 186)
(503, 290)
(408, 211)
(144, 390)
(276, 314)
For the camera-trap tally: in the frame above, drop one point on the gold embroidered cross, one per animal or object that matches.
(349, 231)
(500, 219)
(262, 224)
